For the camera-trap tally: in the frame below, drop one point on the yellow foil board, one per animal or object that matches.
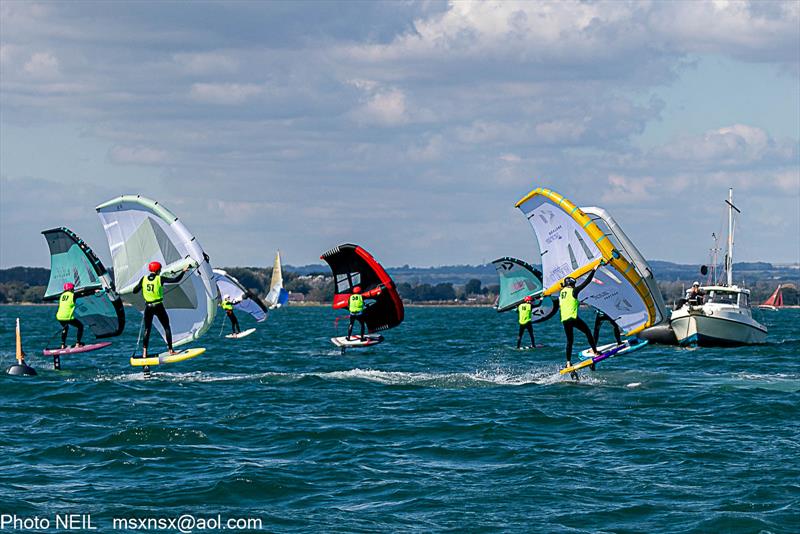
(166, 357)
(577, 366)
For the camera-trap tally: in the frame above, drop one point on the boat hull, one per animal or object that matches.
(716, 328)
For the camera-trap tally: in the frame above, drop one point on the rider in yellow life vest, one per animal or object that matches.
(227, 305)
(569, 303)
(529, 308)
(66, 315)
(152, 288)
(356, 307)
(525, 313)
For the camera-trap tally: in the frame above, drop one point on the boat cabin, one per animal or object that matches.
(730, 295)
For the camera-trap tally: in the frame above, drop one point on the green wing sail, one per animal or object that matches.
(72, 260)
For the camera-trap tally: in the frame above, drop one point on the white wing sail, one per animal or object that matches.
(245, 300)
(140, 230)
(571, 244)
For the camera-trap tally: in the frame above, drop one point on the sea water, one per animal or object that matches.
(444, 426)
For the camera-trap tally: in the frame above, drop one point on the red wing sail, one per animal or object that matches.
(353, 266)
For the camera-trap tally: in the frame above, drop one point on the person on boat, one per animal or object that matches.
(355, 305)
(601, 318)
(227, 305)
(152, 288)
(66, 315)
(695, 296)
(569, 303)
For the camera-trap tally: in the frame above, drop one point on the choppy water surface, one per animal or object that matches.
(443, 426)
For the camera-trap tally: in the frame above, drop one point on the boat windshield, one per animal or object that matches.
(722, 297)
(743, 301)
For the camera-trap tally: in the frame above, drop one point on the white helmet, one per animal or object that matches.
(226, 297)
(696, 284)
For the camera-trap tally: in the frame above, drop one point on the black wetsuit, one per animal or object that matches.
(65, 328)
(157, 309)
(577, 322)
(603, 318)
(234, 321)
(353, 318)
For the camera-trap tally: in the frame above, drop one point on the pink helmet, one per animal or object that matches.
(69, 286)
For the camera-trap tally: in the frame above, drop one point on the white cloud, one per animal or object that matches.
(136, 155)
(736, 144)
(213, 63)
(42, 65)
(385, 107)
(510, 158)
(224, 93)
(431, 149)
(628, 190)
(560, 131)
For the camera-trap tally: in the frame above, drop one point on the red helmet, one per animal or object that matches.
(69, 286)
(528, 299)
(154, 267)
(357, 289)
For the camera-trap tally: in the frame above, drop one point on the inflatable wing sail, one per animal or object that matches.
(353, 266)
(247, 300)
(140, 230)
(620, 240)
(71, 260)
(277, 296)
(518, 279)
(571, 244)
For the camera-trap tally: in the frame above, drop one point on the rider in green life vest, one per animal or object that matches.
(66, 315)
(355, 305)
(531, 306)
(227, 305)
(569, 303)
(152, 288)
(525, 312)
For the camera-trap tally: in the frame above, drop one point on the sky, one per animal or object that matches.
(411, 128)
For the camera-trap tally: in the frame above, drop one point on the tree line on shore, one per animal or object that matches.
(28, 284)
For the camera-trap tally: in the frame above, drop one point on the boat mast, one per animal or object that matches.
(729, 256)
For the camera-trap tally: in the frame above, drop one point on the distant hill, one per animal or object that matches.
(33, 276)
(313, 281)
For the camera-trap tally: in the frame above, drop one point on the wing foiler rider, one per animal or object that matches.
(66, 315)
(227, 305)
(601, 318)
(531, 306)
(355, 305)
(569, 304)
(152, 288)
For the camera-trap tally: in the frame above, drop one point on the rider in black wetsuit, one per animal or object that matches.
(152, 290)
(531, 307)
(569, 303)
(603, 318)
(227, 305)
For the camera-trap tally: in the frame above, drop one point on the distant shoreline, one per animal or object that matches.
(310, 304)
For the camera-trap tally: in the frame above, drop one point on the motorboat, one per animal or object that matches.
(719, 315)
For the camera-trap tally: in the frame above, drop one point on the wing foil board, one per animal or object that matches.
(240, 335)
(166, 357)
(590, 361)
(355, 341)
(629, 345)
(76, 350)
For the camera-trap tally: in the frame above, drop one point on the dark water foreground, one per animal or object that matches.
(444, 426)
